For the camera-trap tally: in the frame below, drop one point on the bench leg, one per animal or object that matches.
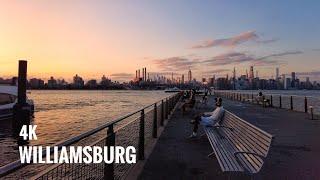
(211, 154)
(202, 135)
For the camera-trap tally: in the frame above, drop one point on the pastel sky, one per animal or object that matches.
(61, 38)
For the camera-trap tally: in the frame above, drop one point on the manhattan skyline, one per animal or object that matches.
(61, 38)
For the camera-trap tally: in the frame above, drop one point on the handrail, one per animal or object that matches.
(8, 168)
(252, 92)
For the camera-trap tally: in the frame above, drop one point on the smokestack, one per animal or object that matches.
(142, 74)
(145, 73)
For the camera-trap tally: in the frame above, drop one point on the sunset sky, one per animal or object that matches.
(63, 37)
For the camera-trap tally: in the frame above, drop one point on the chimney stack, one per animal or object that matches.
(145, 74)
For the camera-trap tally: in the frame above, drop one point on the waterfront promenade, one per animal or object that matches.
(295, 152)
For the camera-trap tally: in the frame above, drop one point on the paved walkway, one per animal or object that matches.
(295, 153)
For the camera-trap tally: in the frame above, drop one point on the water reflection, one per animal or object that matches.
(63, 114)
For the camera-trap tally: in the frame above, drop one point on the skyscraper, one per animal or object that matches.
(189, 75)
(172, 77)
(251, 75)
(277, 73)
(182, 78)
(293, 76)
(293, 79)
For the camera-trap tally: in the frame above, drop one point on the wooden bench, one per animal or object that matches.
(238, 145)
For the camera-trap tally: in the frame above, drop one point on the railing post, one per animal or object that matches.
(280, 102)
(311, 112)
(291, 103)
(162, 113)
(110, 141)
(305, 104)
(141, 137)
(155, 123)
(167, 109)
(271, 101)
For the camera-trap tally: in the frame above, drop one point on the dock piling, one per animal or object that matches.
(311, 112)
(21, 110)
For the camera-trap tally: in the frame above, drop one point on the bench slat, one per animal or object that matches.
(250, 125)
(242, 127)
(255, 162)
(228, 149)
(248, 140)
(225, 157)
(253, 131)
(244, 137)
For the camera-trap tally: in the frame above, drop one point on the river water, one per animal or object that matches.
(64, 114)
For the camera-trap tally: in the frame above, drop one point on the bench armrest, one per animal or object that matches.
(219, 126)
(252, 153)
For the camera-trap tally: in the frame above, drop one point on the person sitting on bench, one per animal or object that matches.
(205, 97)
(208, 119)
(259, 98)
(190, 103)
(186, 95)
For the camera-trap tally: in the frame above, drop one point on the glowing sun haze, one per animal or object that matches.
(91, 38)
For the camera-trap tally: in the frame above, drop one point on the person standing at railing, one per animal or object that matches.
(210, 119)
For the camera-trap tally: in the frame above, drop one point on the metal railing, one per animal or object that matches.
(307, 104)
(134, 129)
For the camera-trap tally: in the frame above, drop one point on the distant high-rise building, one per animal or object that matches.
(78, 81)
(293, 76)
(293, 79)
(52, 83)
(234, 73)
(36, 83)
(251, 75)
(182, 78)
(277, 73)
(172, 77)
(189, 75)
(92, 83)
(307, 80)
(287, 83)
